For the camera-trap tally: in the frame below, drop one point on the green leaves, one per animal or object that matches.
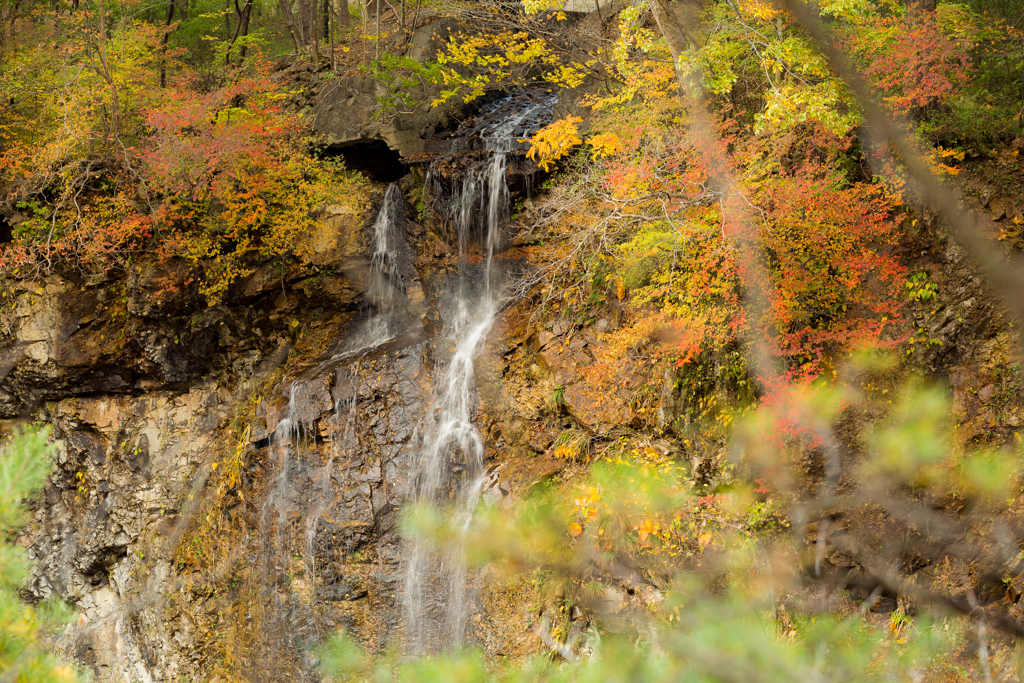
(24, 466)
(752, 51)
(400, 74)
(23, 471)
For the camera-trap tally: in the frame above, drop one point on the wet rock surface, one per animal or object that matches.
(229, 481)
(150, 394)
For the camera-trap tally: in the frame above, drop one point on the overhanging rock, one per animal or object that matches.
(348, 111)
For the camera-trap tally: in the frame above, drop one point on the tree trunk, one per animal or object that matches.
(302, 22)
(245, 31)
(673, 18)
(313, 30)
(331, 30)
(163, 42)
(241, 29)
(285, 7)
(343, 17)
(114, 129)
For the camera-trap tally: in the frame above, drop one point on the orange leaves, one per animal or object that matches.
(572, 444)
(763, 11)
(645, 529)
(235, 178)
(216, 175)
(833, 283)
(824, 243)
(915, 60)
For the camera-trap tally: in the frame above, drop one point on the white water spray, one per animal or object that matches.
(436, 595)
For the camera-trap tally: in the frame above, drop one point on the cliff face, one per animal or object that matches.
(180, 520)
(147, 390)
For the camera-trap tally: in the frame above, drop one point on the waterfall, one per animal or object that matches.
(343, 438)
(340, 418)
(301, 494)
(276, 633)
(385, 290)
(436, 595)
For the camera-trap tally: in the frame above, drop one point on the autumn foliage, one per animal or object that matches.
(820, 230)
(107, 164)
(917, 60)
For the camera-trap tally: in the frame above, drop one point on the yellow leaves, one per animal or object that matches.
(828, 103)
(936, 159)
(486, 61)
(553, 142)
(758, 9)
(233, 466)
(567, 76)
(604, 145)
(571, 444)
(534, 6)
(631, 34)
(575, 529)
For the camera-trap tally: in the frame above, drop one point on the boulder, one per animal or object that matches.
(349, 111)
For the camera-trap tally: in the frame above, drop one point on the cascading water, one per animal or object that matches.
(302, 488)
(347, 452)
(385, 289)
(436, 595)
(276, 633)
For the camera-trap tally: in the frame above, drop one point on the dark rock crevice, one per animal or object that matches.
(372, 158)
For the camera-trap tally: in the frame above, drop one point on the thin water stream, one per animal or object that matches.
(307, 501)
(437, 598)
(302, 488)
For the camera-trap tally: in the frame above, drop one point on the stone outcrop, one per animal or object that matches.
(228, 482)
(349, 111)
(354, 111)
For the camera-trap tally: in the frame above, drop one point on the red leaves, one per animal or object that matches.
(205, 143)
(911, 60)
(833, 284)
